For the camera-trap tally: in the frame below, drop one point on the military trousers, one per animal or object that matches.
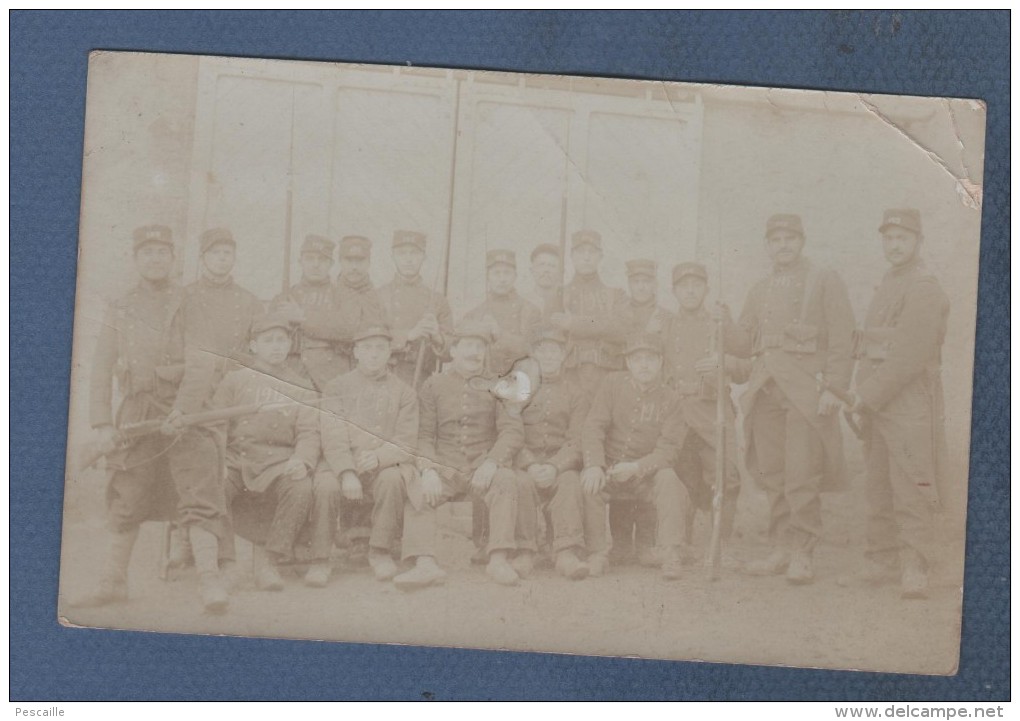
(324, 513)
(272, 518)
(696, 467)
(662, 491)
(901, 487)
(790, 459)
(382, 506)
(161, 478)
(563, 504)
(506, 498)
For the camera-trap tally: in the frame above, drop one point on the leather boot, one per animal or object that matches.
(569, 566)
(426, 572)
(205, 547)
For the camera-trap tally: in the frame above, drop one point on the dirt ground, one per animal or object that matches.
(629, 612)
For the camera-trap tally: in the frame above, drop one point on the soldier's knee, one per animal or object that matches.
(388, 483)
(505, 481)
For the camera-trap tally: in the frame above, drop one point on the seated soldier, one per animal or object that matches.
(467, 441)
(369, 431)
(270, 452)
(629, 445)
(551, 458)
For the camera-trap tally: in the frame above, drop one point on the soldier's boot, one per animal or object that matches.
(800, 569)
(524, 563)
(672, 563)
(644, 537)
(598, 564)
(180, 555)
(112, 584)
(357, 552)
(871, 575)
(212, 589)
(772, 565)
(621, 528)
(267, 577)
(382, 564)
(569, 566)
(317, 575)
(500, 571)
(914, 578)
(426, 572)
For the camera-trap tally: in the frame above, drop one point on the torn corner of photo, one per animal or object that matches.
(413, 355)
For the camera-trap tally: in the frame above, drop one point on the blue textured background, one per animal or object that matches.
(957, 54)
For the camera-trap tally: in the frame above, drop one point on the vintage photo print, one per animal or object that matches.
(564, 364)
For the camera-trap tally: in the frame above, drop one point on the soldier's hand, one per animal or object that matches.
(431, 486)
(544, 474)
(592, 479)
(481, 479)
(296, 469)
(720, 311)
(708, 364)
(430, 327)
(173, 425)
(624, 472)
(828, 404)
(350, 486)
(366, 461)
(106, 438)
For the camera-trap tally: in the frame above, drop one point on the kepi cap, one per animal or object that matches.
(682, 269)
(641, 266)
(151, 234)
(318, 244)
(906, 218)
(546, 331)
(355, 246)
(269, 321)
(472, 329)
(216, 236)
(586, 237)
(409, 237)
(643, 341)
(784, 221)
(377, 330)
(501, 256)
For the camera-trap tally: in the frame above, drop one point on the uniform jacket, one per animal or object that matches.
(210, 333)
(598, 325)
(317, 302)
(515, 317)
(351, 308)
(553, 421)
(405, 302)
(462, 426)
(365, 413)
(133, 347)
(261, 443)
(626, 423)
(797, 323)
(648, 317)
(689, 338)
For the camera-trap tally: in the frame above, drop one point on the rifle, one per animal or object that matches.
(848, 400)
(715, 543)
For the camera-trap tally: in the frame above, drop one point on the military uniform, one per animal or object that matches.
(515, 317)
(689, 338)
(405, 302)
(648, 316)
(260, 445)
(796, 323)
(597, 327)
(900, 391)
(315, 350)
(552, 435)
(628, 423)
(462, 426)
(355, 305)
(379, 414)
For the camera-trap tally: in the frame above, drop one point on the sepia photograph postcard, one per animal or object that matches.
(577, 365)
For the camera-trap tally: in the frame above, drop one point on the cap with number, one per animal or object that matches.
(643, 341)
(787, 222)
(681, 270)
(472, 329)
(318, 244)
(216, 236)
(906, 218)
(151, 234)
(373, 331)
(409, 237)
(586, 237)
(641, 266)
(507, 257)
(270, 321)
(355, 246)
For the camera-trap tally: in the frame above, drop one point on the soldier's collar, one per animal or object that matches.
(416, 280)
(914, 265)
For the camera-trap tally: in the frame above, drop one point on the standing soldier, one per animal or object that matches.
(309, 304)
(357, 304)
(899, 393)
(642, 309)
(467, 442)
(270, 453)
(508, 317)
(419, 317)
(551, 457)
(691, 367)
(629, 444)
(134, 347)
(797, 325)
(369, 433)
(547, 275)
(592, 316)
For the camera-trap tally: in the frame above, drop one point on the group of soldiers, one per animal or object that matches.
(583, 422)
